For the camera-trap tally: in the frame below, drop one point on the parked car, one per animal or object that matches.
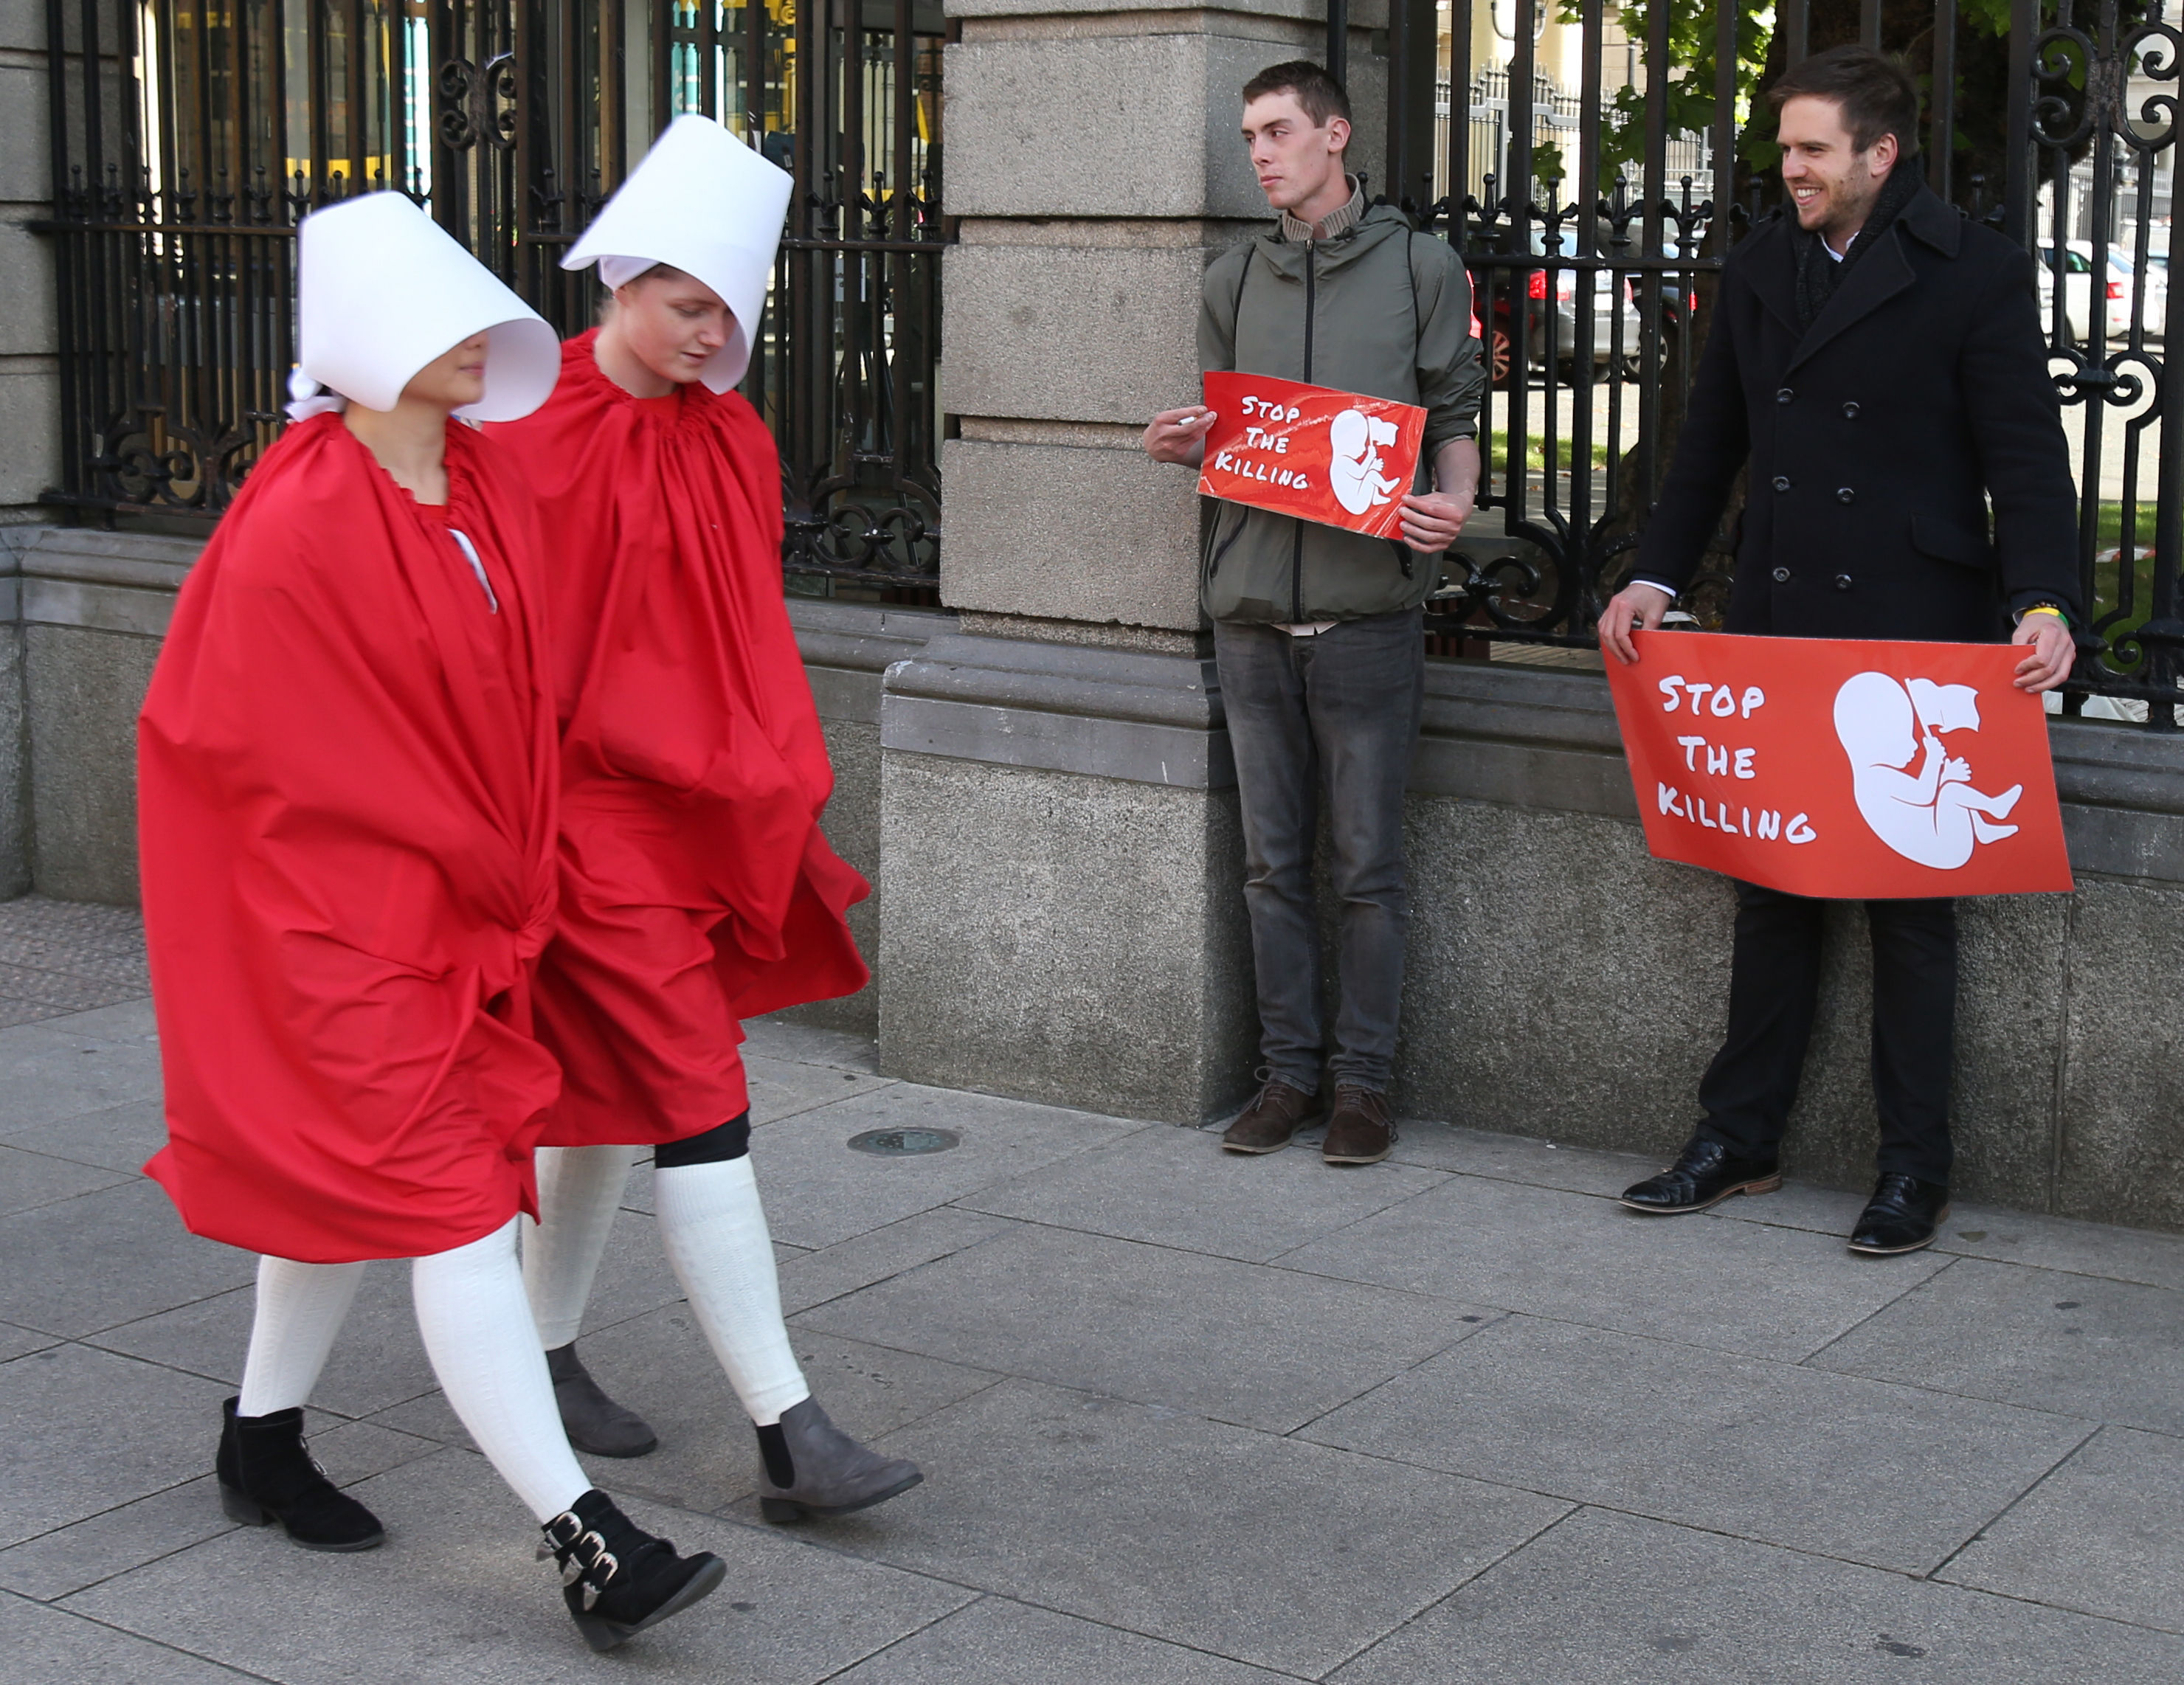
(1554, 298)
(2076, 260)
(2152, 295)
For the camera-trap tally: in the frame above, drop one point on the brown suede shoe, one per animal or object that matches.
(1359, 1131)
(1265, 1124)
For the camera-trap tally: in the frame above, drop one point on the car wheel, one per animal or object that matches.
(1498, 359)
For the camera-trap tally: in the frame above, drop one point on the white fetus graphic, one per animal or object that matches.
(1931, 814)
(1355, 473)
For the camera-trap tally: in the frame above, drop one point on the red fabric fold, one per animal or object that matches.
(697, 888)
(346, 807)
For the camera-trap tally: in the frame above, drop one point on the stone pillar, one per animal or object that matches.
(30, 412)
(1061, 911)
(30, 380)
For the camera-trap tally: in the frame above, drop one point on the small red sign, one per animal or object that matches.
(1326, 456)
(1842, 768)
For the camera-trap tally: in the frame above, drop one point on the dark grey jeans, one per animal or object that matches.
(1343, 704)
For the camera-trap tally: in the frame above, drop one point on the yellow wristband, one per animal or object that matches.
(2045, 608)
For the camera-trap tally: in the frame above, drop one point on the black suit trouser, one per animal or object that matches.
(1774, 990)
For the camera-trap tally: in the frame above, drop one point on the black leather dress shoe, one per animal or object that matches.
(1706, 1174)
(1904, 1214)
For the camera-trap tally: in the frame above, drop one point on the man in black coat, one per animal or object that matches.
(1877, 362)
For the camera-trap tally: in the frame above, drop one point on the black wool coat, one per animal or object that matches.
(1878, 439)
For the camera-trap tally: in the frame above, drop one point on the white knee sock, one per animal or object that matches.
(479, 1335)
(714, 1232)
(579, 1188)
(300, 1309)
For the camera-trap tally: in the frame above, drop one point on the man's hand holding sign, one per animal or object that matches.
(1335, 458)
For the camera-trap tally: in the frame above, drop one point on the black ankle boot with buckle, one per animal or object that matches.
(267, 1475)
(617, 1578)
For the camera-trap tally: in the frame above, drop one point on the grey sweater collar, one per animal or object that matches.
(1333, 223)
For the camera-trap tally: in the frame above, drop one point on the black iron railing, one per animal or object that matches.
(1594, 219)
(189, 142)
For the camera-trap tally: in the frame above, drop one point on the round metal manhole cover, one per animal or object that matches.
(903, 1143)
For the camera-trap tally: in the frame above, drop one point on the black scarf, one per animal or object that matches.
(1818, 274)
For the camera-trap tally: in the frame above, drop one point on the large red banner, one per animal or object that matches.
(1842, 768)
(1327, 456)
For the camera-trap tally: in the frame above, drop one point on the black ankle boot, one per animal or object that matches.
(617, 1578)
(266, 1475)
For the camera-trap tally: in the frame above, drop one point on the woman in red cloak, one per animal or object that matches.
(346, 767)
(696, 888)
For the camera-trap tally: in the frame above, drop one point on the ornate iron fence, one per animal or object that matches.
(1594, 267)
(191, 139)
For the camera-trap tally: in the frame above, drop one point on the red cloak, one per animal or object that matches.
(346, 799)
(696, 888)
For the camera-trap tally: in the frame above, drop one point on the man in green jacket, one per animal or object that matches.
(1317, 630)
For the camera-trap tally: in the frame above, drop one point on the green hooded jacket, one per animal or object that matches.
(1380, 310)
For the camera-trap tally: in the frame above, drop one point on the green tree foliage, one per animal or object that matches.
(1982, 54)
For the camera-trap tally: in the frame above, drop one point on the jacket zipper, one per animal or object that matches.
(1296, 548)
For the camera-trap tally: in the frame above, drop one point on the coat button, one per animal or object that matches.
(1781, 575)
(1784, 396)
(1843, 582)
(1850, 412)
(1781, 482)
(1845, 495)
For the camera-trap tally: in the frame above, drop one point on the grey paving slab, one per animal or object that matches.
(113, 1541)
(783, 1038)
(88, 1431)
(14, 1342)
(1990, 1232)
(55, 1069)
(132, 1024)
(1733, 1287)
(1177, 1187)
(457, 1595)
(48, 1646)
(14, 1011)
(67, 992)
(814, 1277)
(377, 1361)
(840, 1192)
(997, 1642)
(31, 1179)
(89, 925)
(2111, 1351)
(1268, 1550)
(109, 1257)
(2061, 1243)
(1889, 1475)
(781, 1087)
(2104, 1533)
(1831, 1211)
(118, 1138)
(1269, 1349)
(1517, 1158)
(1608, 1599)
(660, 1366)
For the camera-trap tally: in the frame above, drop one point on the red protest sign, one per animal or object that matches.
(1842, 768)
(1327, 456)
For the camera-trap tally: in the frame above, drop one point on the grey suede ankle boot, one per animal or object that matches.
(594, 1421)
(813, 1468)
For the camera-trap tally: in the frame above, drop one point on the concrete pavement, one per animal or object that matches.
(1186, 1419)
